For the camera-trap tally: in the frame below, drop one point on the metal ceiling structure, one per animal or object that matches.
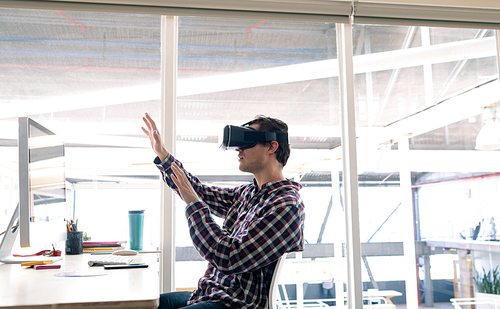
(91, 76)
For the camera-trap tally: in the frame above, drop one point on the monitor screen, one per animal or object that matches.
(42, 185)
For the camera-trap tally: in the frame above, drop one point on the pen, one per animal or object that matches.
(118, 266)
(72, 226)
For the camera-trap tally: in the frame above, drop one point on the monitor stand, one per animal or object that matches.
(8, 242)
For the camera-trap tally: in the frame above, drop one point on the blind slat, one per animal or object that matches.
(424, 23)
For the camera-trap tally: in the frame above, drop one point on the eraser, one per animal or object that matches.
(47, 266)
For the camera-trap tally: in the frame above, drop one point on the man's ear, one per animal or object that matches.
(273, 146)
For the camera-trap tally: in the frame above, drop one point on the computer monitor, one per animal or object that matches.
(40, 215)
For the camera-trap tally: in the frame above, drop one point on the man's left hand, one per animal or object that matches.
(186, 190)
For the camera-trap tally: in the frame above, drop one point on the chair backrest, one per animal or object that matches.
(274, 291)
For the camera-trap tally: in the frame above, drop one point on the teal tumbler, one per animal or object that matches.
(136, 228)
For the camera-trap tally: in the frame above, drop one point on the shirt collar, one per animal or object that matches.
(273, 185)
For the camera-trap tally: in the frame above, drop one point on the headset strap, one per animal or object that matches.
(258, 136)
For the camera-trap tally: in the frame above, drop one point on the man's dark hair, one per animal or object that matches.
(268, 124)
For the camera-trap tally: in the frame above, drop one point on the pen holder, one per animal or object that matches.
(74, 243)
(136, 228)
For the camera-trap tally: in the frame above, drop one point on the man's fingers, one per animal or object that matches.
(181, 177)
(156, 136)
(146, 121)
(175, 180)
(177, 171)
(185, 188)
(151, 122)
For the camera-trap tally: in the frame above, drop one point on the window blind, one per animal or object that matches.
(421, 15)
(318, 11)
(339, 11)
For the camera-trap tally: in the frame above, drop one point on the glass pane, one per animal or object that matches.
(231, 70)
(420, 93)
(88, 77)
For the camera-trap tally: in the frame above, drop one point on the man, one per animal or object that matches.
(262, 220)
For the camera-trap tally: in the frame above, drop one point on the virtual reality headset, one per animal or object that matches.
(243, 137)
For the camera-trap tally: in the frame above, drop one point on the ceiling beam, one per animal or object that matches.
(469, 103)
(439, 53)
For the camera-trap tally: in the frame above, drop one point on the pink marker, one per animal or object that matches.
(47, 266)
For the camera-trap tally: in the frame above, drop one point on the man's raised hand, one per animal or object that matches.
(186, 190)
(154, 136)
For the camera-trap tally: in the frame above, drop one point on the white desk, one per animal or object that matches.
(118, 288)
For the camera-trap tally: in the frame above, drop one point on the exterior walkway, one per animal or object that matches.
(436, 305)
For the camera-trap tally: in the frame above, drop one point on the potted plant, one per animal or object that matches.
(488, 288)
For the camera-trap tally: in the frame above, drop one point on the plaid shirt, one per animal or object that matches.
(259, 227)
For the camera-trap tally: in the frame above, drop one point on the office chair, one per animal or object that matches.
(274, 293)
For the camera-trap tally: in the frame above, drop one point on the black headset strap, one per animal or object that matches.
(258, 136)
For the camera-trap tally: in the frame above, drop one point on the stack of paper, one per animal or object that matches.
(101, 246)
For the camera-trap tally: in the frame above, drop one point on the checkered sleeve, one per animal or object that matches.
(258, 241)
(217, 199)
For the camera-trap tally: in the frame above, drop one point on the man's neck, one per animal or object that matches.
(270, 175)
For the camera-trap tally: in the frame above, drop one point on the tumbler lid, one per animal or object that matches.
(136, 211)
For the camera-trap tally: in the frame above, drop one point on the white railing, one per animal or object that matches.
(487, 302)
(368, 303)
(306, 303)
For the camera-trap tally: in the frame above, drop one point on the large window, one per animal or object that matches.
(421, 96)
(229, 71)
(89, 77)
(409, 85)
